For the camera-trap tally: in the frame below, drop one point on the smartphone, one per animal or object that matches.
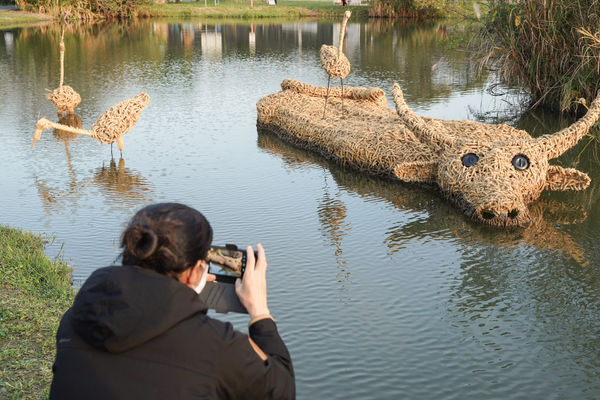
(227, 262)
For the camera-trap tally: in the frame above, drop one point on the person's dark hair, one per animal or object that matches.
(167, 238)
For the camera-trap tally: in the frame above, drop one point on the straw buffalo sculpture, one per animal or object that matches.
(491, 172)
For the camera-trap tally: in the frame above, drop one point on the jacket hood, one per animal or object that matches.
(121, 307)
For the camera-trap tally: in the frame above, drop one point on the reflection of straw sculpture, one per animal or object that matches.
(490, 171)
(121, 187)
(332, 216)
(121, 183)
(71, 120)
(64, 98)
(111, 125)
(335, 62)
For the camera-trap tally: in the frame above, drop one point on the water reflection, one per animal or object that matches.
(121, 187)
(332, 214)
(432, 218)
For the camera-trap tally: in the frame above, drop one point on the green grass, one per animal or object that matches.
(34, 293)
(12, 18)
(239, 9)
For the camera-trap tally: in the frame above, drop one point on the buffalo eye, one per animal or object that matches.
(520, 162)
(470, 159)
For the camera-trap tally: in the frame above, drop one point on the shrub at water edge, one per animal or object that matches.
(551, 48)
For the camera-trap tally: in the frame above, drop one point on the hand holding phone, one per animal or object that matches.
(252, 288)
(226, 264)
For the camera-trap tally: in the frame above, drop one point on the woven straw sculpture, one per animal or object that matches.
(65, 99)
(334, 62)
(490, 171)
(110, 127)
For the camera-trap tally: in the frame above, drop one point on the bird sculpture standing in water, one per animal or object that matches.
(334, 62)
(110, 127)
(64, 98)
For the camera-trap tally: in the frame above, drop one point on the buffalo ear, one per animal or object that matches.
(417, 171)
(559, 178)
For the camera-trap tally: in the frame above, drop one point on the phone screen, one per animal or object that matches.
(227, 262)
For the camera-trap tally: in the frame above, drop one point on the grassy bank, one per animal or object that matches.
(229, 9)
(11, 18)
(34, 293)
(237, 9)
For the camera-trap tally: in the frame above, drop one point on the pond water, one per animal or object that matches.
(381, 290)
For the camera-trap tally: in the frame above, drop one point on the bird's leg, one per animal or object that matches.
(342, 80)
(111, 154)
(326, 96)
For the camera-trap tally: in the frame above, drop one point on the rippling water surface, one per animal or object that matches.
(381, 290)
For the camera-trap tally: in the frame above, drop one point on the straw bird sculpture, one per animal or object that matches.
(335, 62)
(65, 99)
(110, 127)
(492, 172)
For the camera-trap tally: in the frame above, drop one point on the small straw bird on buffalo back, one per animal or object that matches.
(334, 62)
(64, 98)
(110, 127)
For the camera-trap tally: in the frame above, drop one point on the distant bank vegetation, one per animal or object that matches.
(84, 10)
(408, 8)
(551, 47)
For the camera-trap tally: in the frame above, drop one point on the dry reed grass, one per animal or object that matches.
(550, 47)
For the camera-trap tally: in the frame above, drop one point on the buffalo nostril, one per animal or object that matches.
(487, 214)
(513, 214)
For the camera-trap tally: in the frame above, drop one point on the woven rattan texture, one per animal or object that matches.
(335, 66)
(65, 99)
(119, 119)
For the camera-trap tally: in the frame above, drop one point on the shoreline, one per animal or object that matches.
(11, 18)
(35, 293)
(231, 10)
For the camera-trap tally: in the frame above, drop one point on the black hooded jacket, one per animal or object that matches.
(135, 334)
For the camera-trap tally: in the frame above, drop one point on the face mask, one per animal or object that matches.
(202, 282)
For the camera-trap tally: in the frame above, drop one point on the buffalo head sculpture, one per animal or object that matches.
(491, 175)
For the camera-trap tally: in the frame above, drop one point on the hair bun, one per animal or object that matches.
(141, 241)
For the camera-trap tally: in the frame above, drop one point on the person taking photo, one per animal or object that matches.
(140, 330)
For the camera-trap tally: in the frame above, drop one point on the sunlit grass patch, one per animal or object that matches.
(243, 9)
(34, 293)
